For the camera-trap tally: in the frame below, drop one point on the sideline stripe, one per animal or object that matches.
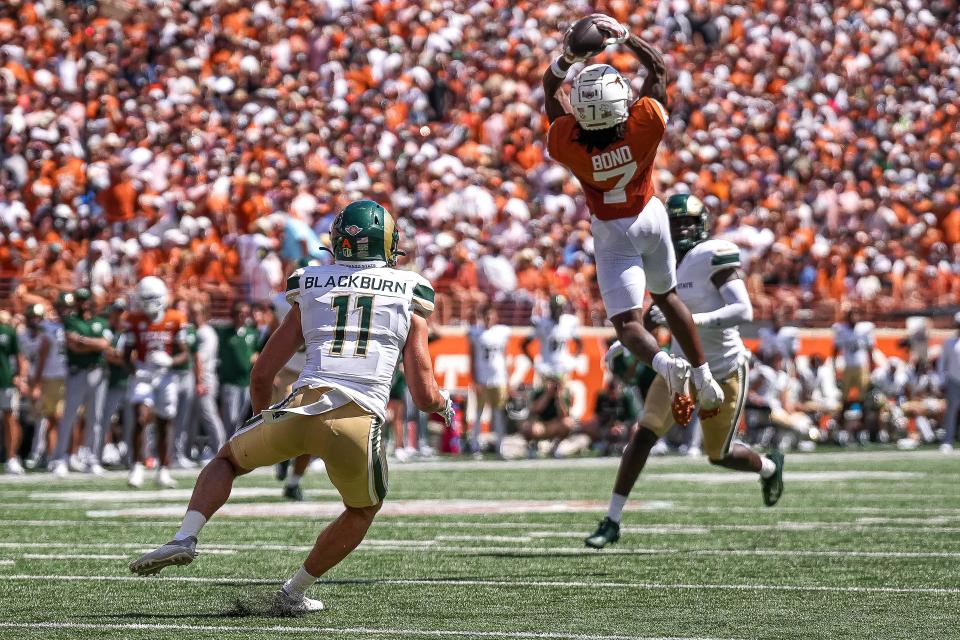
(339, 631)
(653, 586)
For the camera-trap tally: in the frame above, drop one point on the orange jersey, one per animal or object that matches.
(618, 180)
(146, 335)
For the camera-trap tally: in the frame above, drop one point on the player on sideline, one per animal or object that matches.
(713, 289)
(553, 332)
(357, 317)
(610, 143)
(154, 342)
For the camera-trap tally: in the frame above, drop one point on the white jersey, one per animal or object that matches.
(854, 343)
(553, 337)
(281, 307)
(55, 366)
(723, 347)
(489, 347)
(355, 319)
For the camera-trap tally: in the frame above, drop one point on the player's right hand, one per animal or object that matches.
(447, 412)
(616, 33)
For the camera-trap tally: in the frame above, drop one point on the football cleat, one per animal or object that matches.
(607, 533)
(135, 479)
(294, 493)
(60, 469)
(287, 604)
(96, 469)
(174, 553)
(773, 486)
(280, 470)
(165, 480)
(14, 468)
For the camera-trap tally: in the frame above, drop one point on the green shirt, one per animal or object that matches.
(237, 347)
(95, 327)
(191, 338)
(117, 374)
(9, 349)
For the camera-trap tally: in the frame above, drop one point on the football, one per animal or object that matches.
(584, 38)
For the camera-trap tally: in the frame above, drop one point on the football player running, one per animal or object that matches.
(712, 287)
(357, 317)
(154, 342)
(610, 142)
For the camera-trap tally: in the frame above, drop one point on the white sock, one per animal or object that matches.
(299, 583)
(767, 467)
(193, 521)
(661, 363)
(617, 503)
(293, 480)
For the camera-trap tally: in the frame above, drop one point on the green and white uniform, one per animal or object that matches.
(86, 388)
(355, 321)
(722, 347)
(236, 349)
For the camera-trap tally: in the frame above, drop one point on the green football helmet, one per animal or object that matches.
(365, 231)
(689, 222)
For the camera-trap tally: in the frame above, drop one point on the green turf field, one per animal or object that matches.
(862, 545)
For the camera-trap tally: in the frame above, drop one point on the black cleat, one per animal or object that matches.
(773, 486)
(293, 493)
(280, 470)
(607, 533)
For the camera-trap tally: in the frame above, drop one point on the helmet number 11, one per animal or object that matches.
(617, 195)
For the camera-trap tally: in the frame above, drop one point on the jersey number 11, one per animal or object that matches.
(342, 306)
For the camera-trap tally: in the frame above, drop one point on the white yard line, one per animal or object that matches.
(73, 556)
(6, 563)
(164, 495)
(354, 631)
(521, 549)
(558, 584)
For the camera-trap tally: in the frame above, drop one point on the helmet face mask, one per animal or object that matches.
(365, 231)
(600, 98)
(689, 222)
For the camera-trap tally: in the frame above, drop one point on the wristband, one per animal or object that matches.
(557, 71)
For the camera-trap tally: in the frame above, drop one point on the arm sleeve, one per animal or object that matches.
(725, 258)
(736, 310)
(293, 287)
(422, 298)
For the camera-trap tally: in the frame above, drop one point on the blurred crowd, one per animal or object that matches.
(209, 142)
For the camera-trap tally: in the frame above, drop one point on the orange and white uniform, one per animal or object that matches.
(154, 383)
(630, 226)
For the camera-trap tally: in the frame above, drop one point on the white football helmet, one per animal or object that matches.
(600, 97)
(152, 297)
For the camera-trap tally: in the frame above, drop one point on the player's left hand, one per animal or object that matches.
(710, 397)
(447, 412)
(615, 32)
(657, 317)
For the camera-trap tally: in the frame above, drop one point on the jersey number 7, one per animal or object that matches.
(342, 306)
(617, 195)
